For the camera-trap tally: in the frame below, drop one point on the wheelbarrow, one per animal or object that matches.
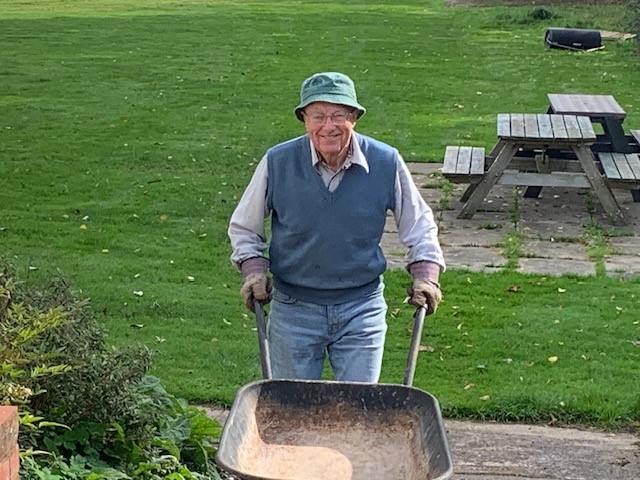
(329, 430)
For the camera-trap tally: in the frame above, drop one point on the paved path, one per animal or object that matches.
(553, 226)
(488, 451)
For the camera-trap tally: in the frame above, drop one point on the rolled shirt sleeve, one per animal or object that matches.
(247, 225)
(417, 229)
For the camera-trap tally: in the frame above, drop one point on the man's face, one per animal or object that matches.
(329, 126)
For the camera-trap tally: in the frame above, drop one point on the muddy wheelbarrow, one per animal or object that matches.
(329, 430)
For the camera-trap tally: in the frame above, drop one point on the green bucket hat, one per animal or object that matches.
(331, 87)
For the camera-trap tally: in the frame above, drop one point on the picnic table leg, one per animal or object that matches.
(542, 165)
(532, 192)
(489, 159)
(588, 162)
(467, 193)
(491, 177)
(613, 129)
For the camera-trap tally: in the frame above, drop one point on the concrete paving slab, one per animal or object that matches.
(553, 229)
(554, 250)
(456, 236)
(626, 246)
(391, 245)
(556, 266)
(622, 266)
(424, 168)
(478, 259)
(499, 451)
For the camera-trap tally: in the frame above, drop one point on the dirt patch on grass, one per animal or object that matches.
(524, 3)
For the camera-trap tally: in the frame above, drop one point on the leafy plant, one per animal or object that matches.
(515, 214)
(119, 422)
(24, 367)
(512, 247)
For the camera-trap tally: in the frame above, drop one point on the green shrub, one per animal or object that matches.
(528, 17)
(90, 410)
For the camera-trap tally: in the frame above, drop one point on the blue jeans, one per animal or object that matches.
(352, 334)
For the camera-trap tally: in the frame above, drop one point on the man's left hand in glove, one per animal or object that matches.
(425, 290)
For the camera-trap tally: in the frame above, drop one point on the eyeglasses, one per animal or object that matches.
(338, 118)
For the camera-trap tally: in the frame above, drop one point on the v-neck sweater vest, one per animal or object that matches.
(325, 246)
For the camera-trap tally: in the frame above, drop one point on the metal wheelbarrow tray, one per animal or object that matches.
(312, 430)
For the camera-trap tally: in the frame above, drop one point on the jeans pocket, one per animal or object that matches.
(281, 297)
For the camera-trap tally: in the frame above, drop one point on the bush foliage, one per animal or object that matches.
(88, 410)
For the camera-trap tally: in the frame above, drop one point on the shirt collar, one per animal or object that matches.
(354, 157)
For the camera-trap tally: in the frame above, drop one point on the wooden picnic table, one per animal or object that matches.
(539, 133)
(602, 109)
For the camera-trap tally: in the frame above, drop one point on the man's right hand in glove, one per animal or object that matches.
(255, 285)
(258, 287)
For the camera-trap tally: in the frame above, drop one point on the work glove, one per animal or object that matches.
(256, 286)
(424, 293)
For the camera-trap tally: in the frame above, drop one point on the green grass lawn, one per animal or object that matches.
(129, 129)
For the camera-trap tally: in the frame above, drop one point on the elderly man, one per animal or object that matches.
(328, 193)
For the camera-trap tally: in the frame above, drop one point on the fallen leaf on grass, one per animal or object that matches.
(425, 348)
(553, 359)
(484, 398)
(138, 293)
(469, 386)
(514, 288)
(562, 290)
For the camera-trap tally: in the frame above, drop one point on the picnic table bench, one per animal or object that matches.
(622, 170)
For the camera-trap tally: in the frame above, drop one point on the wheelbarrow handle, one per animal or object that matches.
(265, 361)
(261, 324)
(418, 323)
